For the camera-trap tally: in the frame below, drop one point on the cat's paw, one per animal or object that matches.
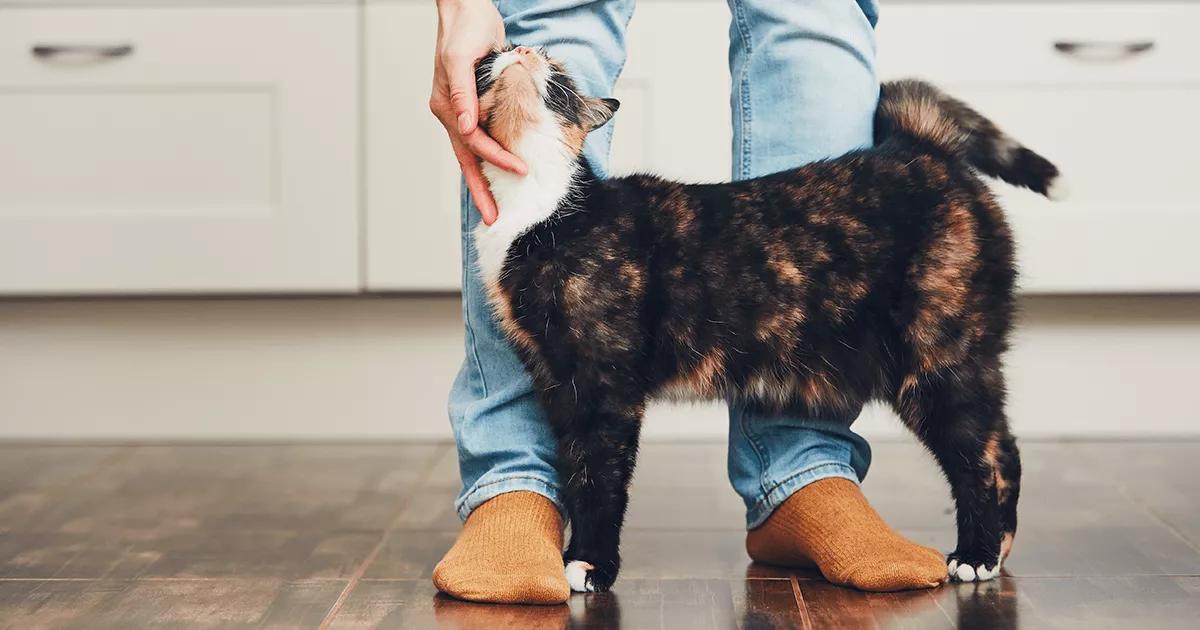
(969, 568)
(577, 576)
(584, 577)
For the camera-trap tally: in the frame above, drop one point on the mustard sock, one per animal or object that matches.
(830, 525)
(509, 552)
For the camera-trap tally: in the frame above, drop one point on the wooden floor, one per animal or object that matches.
(345, 536)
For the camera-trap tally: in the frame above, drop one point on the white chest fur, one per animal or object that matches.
(524, 201)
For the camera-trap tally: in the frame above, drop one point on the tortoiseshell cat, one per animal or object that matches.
(886, 274)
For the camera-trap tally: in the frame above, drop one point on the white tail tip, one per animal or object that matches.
(1058, 189)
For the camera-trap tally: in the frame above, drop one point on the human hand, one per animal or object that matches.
(468, 30)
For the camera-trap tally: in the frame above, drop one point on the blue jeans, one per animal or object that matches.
(804, 88)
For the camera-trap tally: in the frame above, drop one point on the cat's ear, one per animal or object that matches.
(597, 111)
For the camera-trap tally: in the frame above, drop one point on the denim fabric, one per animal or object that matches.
(804, 88)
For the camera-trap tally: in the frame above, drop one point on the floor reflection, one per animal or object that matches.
(991, 605)
(452, 613)
(774, 603)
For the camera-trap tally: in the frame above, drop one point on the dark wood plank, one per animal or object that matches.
(647, 554)
(1075, 603)
(289, 554)
(34, 478)
(410, 554)
(347, 487)
(717, 554)
(683, 604)
(416, 604)
(830, 606)
(687, 604)
(222, 603)
(289, 512)
(1162, 477)
(431, 505)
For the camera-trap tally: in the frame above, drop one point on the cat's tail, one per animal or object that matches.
(912, 110)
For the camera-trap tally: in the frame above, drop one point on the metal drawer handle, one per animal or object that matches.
(82, 51)
(1103, 51)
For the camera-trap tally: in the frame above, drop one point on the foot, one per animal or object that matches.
(829, 524)
(509, 552)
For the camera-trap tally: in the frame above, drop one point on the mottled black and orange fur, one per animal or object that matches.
(885, 274)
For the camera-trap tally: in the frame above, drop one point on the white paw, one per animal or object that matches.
(968, 573)
(965, 573)
(576, 572)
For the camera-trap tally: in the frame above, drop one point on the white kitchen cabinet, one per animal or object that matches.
(179, 149)
(1109, 92)
(1120, 124)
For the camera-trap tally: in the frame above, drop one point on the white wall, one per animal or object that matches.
(381, 367)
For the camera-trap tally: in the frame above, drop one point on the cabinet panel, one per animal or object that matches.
(178, 150)
(412, 195)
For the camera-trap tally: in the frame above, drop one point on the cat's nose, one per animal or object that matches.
(523, 50)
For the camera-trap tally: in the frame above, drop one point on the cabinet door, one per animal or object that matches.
(178, 150)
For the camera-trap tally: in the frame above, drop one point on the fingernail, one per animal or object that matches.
(464, 123)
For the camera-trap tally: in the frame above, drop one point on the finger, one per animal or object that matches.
(476, 184)
(490, 151)
(481, 194)
(461, 75)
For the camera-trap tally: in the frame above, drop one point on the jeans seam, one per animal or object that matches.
(764, 459)
(739, 18)
(469, 246)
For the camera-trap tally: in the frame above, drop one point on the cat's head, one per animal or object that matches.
(522, 91)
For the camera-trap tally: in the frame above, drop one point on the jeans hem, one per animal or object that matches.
(780, 492)
(485, 490)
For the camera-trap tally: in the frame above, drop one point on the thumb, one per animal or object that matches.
(463, 102)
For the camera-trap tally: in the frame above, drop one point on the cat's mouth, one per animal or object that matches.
(522, 60)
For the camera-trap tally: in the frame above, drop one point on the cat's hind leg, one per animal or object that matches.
(958, 413)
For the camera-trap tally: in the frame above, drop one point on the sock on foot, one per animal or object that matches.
(830, 524)
(509, 552)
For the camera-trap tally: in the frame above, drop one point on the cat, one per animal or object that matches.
(886, 274)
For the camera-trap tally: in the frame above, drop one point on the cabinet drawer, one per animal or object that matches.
(178, 150)
(1041, 44)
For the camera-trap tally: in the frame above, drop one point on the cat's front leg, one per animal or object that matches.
(597, 452)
